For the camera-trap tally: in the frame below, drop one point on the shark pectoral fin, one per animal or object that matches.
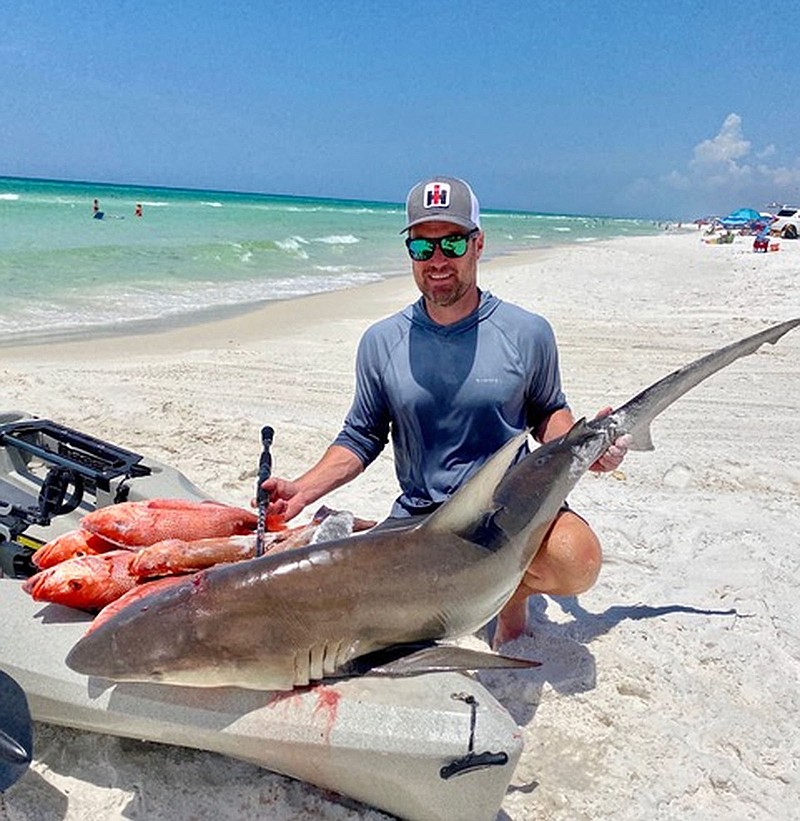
(427, 657)
(474, 498)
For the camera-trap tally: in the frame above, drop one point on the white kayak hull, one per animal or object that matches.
(381, 741)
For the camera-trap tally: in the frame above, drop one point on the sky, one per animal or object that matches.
(668, 110)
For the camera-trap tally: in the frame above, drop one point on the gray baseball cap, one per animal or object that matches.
(442, 199)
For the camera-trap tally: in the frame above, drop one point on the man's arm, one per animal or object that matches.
(559, 422)
(337, 467)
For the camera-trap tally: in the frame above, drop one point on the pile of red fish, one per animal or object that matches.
(125, 545)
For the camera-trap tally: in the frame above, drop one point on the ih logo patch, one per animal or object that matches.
(437, 195)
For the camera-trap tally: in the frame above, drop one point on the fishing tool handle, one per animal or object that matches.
(262, 497)
(264, 464)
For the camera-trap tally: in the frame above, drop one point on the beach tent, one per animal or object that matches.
(740, 218)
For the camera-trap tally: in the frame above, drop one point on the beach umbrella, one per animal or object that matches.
(740, 217)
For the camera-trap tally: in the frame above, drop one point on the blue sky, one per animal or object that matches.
(667, 110)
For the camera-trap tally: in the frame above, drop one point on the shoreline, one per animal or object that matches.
(258, 320)
(193, 263)
(245, 323)
(218, 326)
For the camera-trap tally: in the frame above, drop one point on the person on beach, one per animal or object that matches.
(450, 379)
(137, 212)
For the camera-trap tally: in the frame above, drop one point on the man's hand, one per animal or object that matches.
(337, 466)
(285, 497)
(613, 457)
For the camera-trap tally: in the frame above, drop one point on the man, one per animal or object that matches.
(451, 378)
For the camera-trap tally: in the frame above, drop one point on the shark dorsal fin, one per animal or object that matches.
(474, 498)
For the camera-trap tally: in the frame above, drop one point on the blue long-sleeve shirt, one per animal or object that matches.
(449, 395)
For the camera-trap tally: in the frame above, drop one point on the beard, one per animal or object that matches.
(443, 293)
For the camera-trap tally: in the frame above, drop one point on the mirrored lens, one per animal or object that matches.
(455, 246)
(422, 248)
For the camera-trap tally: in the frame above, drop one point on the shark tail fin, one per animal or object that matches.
(641, 439)
(634, 417)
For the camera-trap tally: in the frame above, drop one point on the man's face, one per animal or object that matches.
(444, 281)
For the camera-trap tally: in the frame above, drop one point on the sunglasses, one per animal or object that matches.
(453, 246)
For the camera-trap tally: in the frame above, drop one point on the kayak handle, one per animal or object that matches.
(471, 761)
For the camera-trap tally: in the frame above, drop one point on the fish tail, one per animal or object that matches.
(635, 417)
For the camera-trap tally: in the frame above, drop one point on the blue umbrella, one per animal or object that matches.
(740, 217)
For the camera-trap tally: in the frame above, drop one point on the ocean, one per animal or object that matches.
(194, 254)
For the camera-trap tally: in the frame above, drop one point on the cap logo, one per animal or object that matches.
(437, 195)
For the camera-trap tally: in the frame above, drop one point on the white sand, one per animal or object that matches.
(669, 690)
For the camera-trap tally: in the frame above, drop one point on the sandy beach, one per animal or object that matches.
(668, 690)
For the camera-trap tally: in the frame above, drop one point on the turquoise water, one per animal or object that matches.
(199, 252)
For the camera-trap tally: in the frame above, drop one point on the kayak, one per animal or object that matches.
(434, 746)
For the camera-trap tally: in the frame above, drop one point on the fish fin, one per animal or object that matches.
(358, 524)
(16, 732)
(640, 439)
(336, 525)
(474, 498)
(427, 657)
(635, 416)
(160, 503)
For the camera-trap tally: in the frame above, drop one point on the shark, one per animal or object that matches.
(333, 608)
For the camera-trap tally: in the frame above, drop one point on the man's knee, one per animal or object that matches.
(569, 560)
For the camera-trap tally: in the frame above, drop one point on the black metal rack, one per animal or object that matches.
(57, 467)
(55, 444)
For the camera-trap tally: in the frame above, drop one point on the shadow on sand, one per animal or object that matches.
(568, 664)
